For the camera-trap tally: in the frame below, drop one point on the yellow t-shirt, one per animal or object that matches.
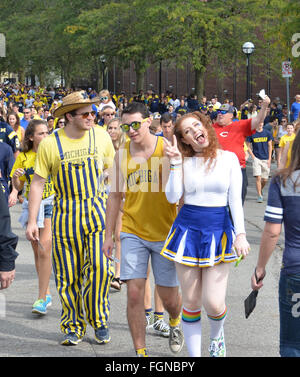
(147, 213)
(75, 150)
(285, 138)
(38, 104)
(26, 161)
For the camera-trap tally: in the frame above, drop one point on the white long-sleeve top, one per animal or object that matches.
(218, 187)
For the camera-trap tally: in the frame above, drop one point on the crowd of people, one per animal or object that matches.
(81, 162)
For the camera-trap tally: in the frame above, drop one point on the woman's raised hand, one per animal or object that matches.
(171, 150)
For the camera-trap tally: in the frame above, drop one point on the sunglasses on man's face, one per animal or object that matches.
(86, 115)
(109, 114)
(223, 112)
(136, 125)
(103, 98)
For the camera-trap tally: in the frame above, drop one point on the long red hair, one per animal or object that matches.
(210, 152)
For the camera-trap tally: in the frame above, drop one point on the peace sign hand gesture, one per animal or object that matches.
(172, 152)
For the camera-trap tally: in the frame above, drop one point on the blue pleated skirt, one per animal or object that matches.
(201, 236)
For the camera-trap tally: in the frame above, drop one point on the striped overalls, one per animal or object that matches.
(82, 271)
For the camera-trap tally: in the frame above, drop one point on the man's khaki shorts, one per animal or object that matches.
(260, 168)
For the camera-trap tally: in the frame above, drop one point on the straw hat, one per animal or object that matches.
(73, 101)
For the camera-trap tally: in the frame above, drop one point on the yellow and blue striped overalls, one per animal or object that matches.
(81, 269)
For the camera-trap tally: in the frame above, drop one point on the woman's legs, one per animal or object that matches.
(190, 279)
(202, 286)
(44, 259)
(214, 287)
(213, 294)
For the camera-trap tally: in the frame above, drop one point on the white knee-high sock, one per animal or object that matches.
(216, 324)
(191, 326)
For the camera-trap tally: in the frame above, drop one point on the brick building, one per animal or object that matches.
(181, 82)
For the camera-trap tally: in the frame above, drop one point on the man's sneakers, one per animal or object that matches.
(149, 319)
(217, 346)
(160, 327)
(176, 339)
(71, 339)
(102, 335)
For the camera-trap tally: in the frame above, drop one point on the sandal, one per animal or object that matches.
(116, 283)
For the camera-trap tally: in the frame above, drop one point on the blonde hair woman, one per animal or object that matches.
(118, 138)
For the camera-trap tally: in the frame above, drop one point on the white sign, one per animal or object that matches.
(287, 69)
(2, 46)
(262, 94)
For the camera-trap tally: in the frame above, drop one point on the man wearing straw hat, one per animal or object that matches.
(75, 156)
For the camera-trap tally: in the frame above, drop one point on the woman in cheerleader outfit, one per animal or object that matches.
(203, 240)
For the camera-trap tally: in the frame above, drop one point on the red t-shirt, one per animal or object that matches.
(232, 137)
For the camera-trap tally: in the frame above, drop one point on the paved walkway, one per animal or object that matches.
(25, 334)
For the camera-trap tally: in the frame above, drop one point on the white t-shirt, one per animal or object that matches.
(218, 187)
(110, 103)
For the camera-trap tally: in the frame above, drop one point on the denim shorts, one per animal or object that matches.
(135, 253)
(48, 208)
(289, 309)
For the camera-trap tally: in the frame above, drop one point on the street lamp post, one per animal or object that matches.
(248, 49)
(103, 65)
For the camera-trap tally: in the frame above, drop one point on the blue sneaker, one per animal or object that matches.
(102, 335)
(48, 300)
(39, 307)
(71, 339)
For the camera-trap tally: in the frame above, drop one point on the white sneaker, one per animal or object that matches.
(176, 339)
(217, 346)
(150, 320)
(160, 327)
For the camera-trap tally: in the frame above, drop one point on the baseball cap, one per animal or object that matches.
(226, 107)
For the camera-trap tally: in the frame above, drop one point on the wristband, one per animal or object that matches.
(175, 167)
(175, 162)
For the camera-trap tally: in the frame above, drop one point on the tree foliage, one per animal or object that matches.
(78, 39)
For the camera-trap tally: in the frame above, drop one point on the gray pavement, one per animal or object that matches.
(23, 334)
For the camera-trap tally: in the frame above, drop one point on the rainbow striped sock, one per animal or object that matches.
(219, 317)
(216, 324)
(191, 315)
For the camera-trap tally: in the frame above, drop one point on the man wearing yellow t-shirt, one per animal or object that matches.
(290, 136)
(75, 157)
(146, 221)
